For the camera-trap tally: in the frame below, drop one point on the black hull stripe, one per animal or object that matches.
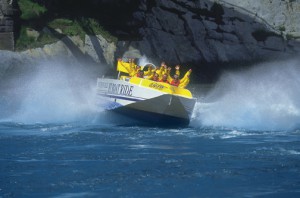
(122, 97)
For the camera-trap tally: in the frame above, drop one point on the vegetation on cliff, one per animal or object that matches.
(30, 10)
(40, 25)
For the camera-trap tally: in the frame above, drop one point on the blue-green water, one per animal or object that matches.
(71, 160)
(243, 140)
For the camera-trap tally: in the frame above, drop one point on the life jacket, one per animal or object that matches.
(140, 76)
(157, 80)
(166, 81)
(175, 83)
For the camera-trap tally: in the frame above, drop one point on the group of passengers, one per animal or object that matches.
(159, 74)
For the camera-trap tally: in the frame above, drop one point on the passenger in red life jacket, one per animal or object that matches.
(140, 74)
(164, 79)
(154, 77)
(175, 81)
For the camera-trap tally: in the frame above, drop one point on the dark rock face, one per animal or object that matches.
(183, 31)
(206, 35)
(6, 25)
(205, 32)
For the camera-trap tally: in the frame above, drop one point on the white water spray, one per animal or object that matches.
(58, 91)
(266, 97)
(143, 61)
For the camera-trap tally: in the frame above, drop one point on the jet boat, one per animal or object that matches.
(146, 101)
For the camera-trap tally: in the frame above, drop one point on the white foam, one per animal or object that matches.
(57, 93)
(265, 97)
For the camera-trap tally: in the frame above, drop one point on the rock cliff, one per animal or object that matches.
(217, 31)
(282, 15)
(207, 35)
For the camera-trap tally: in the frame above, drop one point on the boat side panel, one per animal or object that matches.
(167, 104)
(151, 118)
(123, 92)
(144, 104)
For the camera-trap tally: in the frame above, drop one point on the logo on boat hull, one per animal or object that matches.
(117, 89)
(156, 86)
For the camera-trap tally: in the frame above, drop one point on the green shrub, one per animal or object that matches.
(68, 27)
(26, 42)
(45, 39)
(81, 27)
(98, 29)
(30, 10)
(281, 28)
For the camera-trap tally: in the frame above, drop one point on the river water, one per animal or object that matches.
(243, 140)
(71, 160)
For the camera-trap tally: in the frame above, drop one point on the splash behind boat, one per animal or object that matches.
(146, 101)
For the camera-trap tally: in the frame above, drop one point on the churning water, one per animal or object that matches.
(244, 139)
(265, 97)
(55, 90)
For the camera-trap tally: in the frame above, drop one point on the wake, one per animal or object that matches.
(265, 97)
(51, 91)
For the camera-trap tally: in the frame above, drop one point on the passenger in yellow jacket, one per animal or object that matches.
(162, 69)
(150, 71)
(181, 83)
(128, 67)
(133, 66)
(136, 71)
(185, 80)
(176, 76)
